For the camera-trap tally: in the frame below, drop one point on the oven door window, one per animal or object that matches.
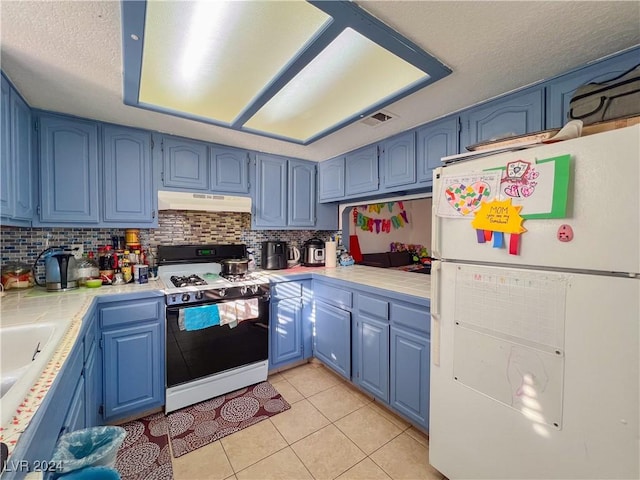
(199, 353)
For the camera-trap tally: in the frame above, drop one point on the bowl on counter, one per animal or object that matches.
(93, 282)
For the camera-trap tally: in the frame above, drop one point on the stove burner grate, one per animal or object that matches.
(187, 281)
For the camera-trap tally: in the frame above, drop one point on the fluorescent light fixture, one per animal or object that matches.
(293, 70)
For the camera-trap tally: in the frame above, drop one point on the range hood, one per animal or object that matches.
(203, 202)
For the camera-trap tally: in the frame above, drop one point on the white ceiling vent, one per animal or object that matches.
(378, 118)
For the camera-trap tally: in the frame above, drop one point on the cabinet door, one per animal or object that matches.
(128, 195)
(410, 375)
(436, 140)
(271, 191)
(361, 171)
(332, 340)
(68, 170)
(286, 331)
(373, 356)
(75, 419)
(331, 179)
(398, 160)
(560, 90)
(515, 114)
(229, 170)
(301, 211)
(22, 158)
(6, 178)
(185, 164)
(133, 369)
(92, 387)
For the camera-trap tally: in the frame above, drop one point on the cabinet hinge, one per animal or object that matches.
(152, 143)
(162, 177)
(38, 209)
(162, 145)
(153, 214)
(101, 409)
(101, 343)
(36, 125)
(459, 126)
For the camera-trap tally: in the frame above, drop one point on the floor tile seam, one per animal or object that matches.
(224, 450)
(302, 438)
(386, 443)
(302, 462)
(259, 460)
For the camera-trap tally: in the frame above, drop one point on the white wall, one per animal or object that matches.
(417, 231)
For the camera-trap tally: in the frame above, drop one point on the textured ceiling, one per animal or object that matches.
(67, 57)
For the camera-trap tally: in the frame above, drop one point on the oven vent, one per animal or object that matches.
(378, 118)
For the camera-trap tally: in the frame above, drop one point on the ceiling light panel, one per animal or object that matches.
(210, 59)
(349, 76)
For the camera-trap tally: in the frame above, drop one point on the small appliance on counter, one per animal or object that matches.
(293, 256)
(274, 255)
(61, 272)
(313, 253)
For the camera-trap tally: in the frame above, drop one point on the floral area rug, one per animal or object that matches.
(198, 425)
(144, 453)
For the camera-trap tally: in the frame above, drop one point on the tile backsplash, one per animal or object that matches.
(174, 227)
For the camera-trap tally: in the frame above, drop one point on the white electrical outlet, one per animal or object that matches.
(80, 250)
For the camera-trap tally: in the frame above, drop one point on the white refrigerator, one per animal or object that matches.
(535, 355)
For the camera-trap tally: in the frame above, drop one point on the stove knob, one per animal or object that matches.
(254, 288)
(173, 299)
(199, 295)
(222, 292)
(243, 289)
(186, 297)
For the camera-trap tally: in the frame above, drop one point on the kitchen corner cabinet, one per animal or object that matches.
(515, 114)
(361, 171)
(436, 140)
(127, 171)
(331, 180)
(285, 193)
(132, 341)
(184, 163)
(16, 204)
(68, 170)
(229, 168)
(398, 160)
(290, 333)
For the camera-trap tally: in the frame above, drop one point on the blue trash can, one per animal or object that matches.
(89, 447)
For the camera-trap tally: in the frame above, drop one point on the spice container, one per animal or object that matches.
(106, 264)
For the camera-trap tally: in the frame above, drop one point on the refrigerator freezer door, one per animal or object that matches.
(538, 374)
(603, 208)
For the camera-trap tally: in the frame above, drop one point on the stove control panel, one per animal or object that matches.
(206, 296)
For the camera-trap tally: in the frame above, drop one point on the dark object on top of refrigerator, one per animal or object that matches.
(274, 255)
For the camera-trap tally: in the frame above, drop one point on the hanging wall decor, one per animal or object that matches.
(381, 225)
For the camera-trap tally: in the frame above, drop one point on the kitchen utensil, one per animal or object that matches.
(293, 256)
(354, 243)
(17, 275)
(60, 268)
(234, 266)
(313, 253)
(274, 255)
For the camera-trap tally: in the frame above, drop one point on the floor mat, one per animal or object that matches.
(198, 425)
(144, 453)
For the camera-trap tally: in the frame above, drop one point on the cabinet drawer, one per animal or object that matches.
(373, 306)
(286, 290)
(412, 316)
(332, 295)
(129, 312)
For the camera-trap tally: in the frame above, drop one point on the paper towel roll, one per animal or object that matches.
(330, 254)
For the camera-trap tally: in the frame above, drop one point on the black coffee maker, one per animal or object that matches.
(274, 255)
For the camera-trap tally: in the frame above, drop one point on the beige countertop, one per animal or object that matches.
(35, 305)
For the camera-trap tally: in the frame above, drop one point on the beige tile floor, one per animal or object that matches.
(331, 431)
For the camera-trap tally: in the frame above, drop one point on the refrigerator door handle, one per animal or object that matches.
(435, 233)
(435, 313)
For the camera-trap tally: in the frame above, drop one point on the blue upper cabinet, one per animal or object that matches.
(331, 179)
(185, 163)
(16, 204)
(301, 193)
(361, 171)
(436, 140)
(69, 170)
(560, 90)
(229, 170)
(127, 175)
(270, 206)
(515, 114)
(398, 160)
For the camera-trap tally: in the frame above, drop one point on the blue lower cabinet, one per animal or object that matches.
(75, 419)
(133, 370)
(410, 375)
(286, 332)
(92, 374)
(373, 356)
(332, 339)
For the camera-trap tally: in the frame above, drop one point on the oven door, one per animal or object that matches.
(196, 354)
